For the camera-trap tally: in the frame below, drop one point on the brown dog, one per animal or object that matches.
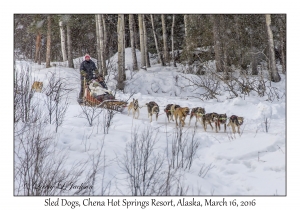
(181, 113)
(169, 110)
(37, 86)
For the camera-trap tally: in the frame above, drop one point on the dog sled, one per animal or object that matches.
(112, 104)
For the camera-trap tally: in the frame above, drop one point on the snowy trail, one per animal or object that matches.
(252, 163)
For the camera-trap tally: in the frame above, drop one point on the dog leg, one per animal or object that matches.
(205, 126)
(211, 125)
(191, 119)
(128, 111)
(138, 112)
(224, 127)
(233, 128)
(172, 109)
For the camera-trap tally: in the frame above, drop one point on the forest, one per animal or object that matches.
(234, 41)
(226, 66)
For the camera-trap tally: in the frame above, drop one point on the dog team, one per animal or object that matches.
(180, 113)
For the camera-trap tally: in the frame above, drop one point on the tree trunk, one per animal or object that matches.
(133, 52)
(165, 39)
(37, 46)
(142, 46)
(102, 44)
(188, 51)
(282, 50)
(136, 34)
(121, 51)
(69, 44)
(172, 39)
(238, 38)
(105, 48)
(224, 48)
(98, 43)
(145, 43)
(282, 44)
(63, 40)
(217, 42)
(39, 59)
(275, 77)
(156, 42)
(185, 17)
(254, 64)
(48, 52)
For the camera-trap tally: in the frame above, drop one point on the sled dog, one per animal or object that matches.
(235, 121)
(181, 113)
(221, 120)
(37, 86)
(169, 110)
(152, 109)
(198, 112)
(208, 119)
(134, 106)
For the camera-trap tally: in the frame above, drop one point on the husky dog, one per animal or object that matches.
(208, 119)
(235, 121)
(152, 109)
(221, 120)
(181, 113)
(198, 112)
(170, 109)
(37, 86)
(134, 106)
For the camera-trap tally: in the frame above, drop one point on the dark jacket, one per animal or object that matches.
(88, 67)
(103, 84)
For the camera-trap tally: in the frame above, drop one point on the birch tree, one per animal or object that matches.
(98, 43)
(133, 51)
(121, 52)
(172, 40)
(105, 50)
(48, 51)
(275, 77)
(165, 39)
(188, 49)
(156, 42)
(69, 44)
(99, 22)
(142, 44)
(63, 40)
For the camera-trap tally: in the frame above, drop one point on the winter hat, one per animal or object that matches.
(87, 55)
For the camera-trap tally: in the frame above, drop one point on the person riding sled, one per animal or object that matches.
(88, 70)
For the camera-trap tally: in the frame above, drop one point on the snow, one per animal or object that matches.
(253, 163)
